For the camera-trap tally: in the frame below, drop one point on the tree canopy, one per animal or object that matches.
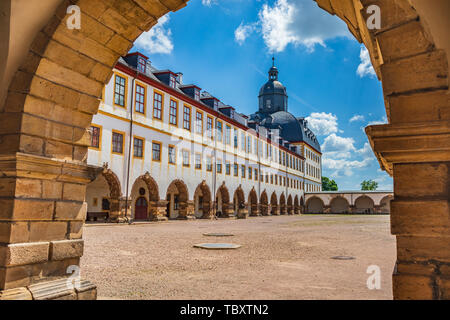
(369, 185)
(329, 185)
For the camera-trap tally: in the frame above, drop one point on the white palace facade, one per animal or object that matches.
(162, 149)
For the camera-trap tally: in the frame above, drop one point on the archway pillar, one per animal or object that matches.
(242, 213)
(420, 209)
(275, 210)
(158, 210)
(187, 211)
(41, 223)
(227, 210)
(255, 210)
(265, 209)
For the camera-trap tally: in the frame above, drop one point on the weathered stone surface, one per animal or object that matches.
(66, 249)
(23, 253)
(412, 287)
(424, 218)
(52, 290)
(423, 249)
(16, 294)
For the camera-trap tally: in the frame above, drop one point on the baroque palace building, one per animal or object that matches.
(162, 149)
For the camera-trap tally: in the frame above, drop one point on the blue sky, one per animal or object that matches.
(225, 47)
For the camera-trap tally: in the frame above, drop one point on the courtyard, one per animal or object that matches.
(281, 258)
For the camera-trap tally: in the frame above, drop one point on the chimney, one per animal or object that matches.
(180, 78)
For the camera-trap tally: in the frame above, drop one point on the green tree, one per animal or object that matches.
(329, 185)
(369, 185)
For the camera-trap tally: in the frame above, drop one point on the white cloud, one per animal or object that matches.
(365, 68)
(208, 3)
(357, 117)
(322, 123)
(341, 156)
(337, 147)
(297, 22)
(384, 120)
(366, 151)
(243, 32)
(344, 167)
(158, 39)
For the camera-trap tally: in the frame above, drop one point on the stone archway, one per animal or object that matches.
(64, 71)
(178, 204)
(103, 196)
(302, 205)
(223, 206)
(339, 205)
(314, 205)
(274, 208)
(296, 205)
(283, 209)
(146, 187)
(364, 204)
(202, 202)
(239, 208)
(290, 205)
(264, 204)
(385, 205)
(253, 203)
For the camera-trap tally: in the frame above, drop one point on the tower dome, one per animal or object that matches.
(273, 95)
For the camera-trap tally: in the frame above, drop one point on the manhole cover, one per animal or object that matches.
(217, 246)
(218, 234)
(343, 258)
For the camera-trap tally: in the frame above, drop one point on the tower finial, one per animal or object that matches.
(273, 61)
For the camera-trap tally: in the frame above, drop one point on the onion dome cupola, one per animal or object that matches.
(273, 96)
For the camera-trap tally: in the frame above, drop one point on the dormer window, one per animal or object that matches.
(197, 94)
(142, 65)
(216, 104)
(172, 81)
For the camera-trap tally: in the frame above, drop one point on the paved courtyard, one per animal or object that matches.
(284, 257)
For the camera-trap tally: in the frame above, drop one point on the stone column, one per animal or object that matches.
(187, 211)
(264, 209)
(158, 210)
(227, 210)
(41, 222)
(255, 212)
(420, 211)
(242, 213)
(275, 212)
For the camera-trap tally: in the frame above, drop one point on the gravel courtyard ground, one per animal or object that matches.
(282, 257)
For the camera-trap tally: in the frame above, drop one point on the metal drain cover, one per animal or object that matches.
(218, 234)
(217, 246)
(343, 258)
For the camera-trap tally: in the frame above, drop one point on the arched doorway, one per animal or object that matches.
(141, 209)
(364, 204)
(223, 202)
(145, 187)
(264, 204)
(339, 205)
(296, 206)
(283, 204)
(239, 202)
(274, 209)
(177, 201)
(290, 205)
(202, 201)
(103, 196)
(385, 205)
(253, 203)
(314, 205)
